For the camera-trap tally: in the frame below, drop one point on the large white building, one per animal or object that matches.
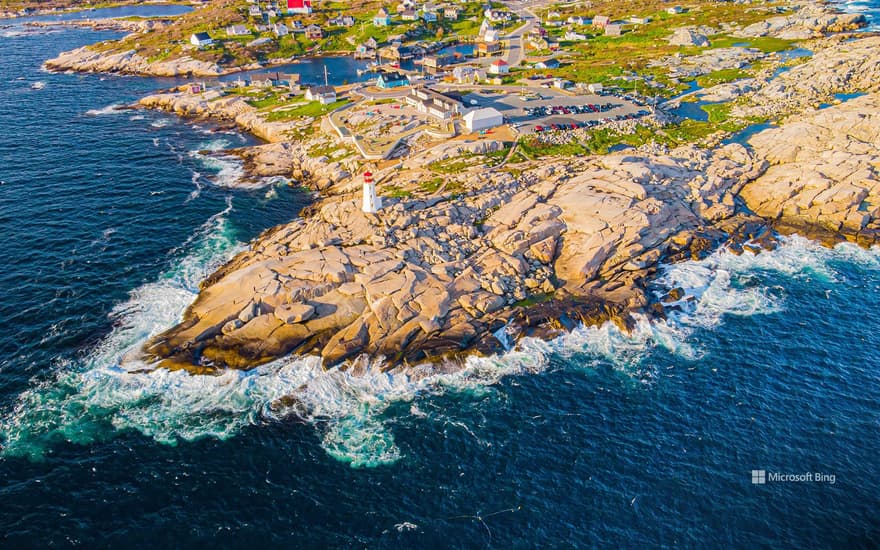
(483, 119)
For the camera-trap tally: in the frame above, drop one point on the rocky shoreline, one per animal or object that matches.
(529, 249)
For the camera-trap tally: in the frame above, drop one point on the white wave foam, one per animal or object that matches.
(196, 180)
(161, 123)
(226, 170)
(136, 117)
(350, 407)
(113, 109)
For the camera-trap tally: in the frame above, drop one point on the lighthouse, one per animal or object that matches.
(372, 203)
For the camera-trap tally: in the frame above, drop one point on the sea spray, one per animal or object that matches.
(112, 109)
(90, 399)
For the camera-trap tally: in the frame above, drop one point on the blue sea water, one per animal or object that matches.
(110, 218)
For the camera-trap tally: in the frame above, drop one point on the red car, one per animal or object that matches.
(539, 128)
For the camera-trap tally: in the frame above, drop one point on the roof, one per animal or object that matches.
(393, 76)
(202, 36)
(483, 114)
(500, 63)
(321, 90)
(293, 4)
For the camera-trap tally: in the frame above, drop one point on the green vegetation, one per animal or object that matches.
(310, 109)
(396, 192)
(535, 300)
(432, 185)
(722, 76)
(451, 165)
(620, 61)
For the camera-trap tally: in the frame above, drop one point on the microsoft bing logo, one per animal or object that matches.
(759, 477)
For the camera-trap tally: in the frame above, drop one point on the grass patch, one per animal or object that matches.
(722, 76)
(396, 192)
(311, 109)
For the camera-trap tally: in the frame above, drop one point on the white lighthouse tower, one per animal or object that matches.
(372, 203)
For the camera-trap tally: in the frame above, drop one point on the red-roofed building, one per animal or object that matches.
(499, 66)
(299, 6)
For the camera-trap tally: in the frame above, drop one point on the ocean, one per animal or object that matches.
(110, 218)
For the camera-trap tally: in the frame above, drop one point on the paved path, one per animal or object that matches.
(515, 51)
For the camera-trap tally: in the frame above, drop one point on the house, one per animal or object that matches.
(280, 29)
(363, 51)
(265, 80)
(254, 11)
(409, 15)
(562, 83)
(572, 36)
(499, 66)
(343, 21)
(392, 80)
(600, 21)
(433, 103)
(468, 75)
(577, 20)
(639, 20)
(450, 13)
(271, 14)
(491, 36)
(237, 30)
(554, 23)
(433, 63)
(302, 7)
(673, 10)
(322, 94)
(314, 32)
(551, 63)
(497, 15)
(289, 79)
(488, 48)
(538, 32)
(201, 39)
(595, 88)
(382, 19)
(483, 119)
(613, 29)
(429, 17)
(371, 43)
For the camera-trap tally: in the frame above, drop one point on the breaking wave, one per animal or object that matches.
(113, 109)
(90, 399)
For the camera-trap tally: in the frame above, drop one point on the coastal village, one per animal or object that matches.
(520, 167)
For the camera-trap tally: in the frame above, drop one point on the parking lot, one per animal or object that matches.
(550, 110)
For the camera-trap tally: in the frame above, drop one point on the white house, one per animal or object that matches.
(491, 36)
(577, 20)
(322, 94)
(201, 39)
(280, 29)
(482, 119)
(673, 10)
(595, 88)
(572, 36)
(499, 66)
(254, 11)
(237, 30)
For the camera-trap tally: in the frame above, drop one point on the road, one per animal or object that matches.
(515, 51)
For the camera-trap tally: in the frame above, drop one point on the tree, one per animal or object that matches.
(439, 34)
